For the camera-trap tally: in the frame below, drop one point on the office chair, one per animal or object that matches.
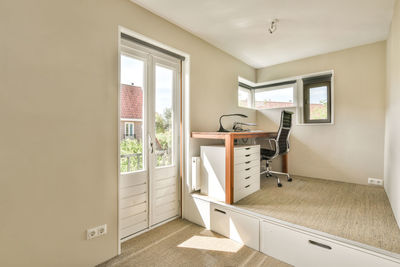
(278, 146)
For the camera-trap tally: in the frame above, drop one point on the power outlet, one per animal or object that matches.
(375, 181)
(91, 233)
(96, 231)
(102, 229)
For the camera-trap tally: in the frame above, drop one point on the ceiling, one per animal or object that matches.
(306, 27)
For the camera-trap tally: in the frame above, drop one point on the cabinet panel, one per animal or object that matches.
(244, 229)
(301, 249)
(219, 220)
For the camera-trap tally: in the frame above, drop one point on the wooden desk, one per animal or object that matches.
(229, 138)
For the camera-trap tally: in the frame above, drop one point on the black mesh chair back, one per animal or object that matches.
(284, 132)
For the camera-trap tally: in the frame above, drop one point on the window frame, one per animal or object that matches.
(306, 101)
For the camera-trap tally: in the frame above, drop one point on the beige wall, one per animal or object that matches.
(351, 150)
(58, 113)
(392, 134)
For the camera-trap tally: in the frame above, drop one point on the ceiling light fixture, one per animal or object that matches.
(272, 27)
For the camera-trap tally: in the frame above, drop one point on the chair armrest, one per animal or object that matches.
(275, 142)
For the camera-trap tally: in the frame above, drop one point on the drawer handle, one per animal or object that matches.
(247, 162)
(247, 169)
(220, 211)
(247, 186)
(319, 244)
(248, 155)
(247, 177)
(247, 148)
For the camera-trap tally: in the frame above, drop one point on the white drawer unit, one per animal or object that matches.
(246, 171)
(303, 249)
(236, 226)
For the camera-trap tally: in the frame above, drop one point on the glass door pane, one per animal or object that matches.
(131, 114)
(164, 85)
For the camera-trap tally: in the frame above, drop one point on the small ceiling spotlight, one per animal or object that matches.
(272, 27)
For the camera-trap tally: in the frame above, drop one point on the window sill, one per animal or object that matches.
(275, 108)
(315, 124)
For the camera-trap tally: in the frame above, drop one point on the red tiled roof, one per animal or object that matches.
(131, 102)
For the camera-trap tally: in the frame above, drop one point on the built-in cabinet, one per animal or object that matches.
(288, 243)
(238, 227)
(304, 249)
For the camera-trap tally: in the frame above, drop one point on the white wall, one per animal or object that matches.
(58, 113)
(392, 134)
(351, 150)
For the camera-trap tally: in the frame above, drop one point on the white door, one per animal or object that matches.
(164, 140)
(149, 138)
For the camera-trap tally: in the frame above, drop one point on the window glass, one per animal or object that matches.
(274, 98)
(317, 102)
(244, 97)
(318, 108)
(131, 109)
(164, 116)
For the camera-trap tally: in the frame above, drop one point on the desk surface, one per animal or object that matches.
(234, 135)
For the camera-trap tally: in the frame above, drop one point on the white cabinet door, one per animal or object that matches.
(301, 249)
(219, 219)
(244, 229)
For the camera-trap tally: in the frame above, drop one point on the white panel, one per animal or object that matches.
(246, 157)
(301, 249)
(132, 220)
(133, 229)
(165, 182)
(219, 220)
(245, 229)
(165, 199)
(165, 191)
(126, 212)
(133, 190)
(134, 200)
(132, 179)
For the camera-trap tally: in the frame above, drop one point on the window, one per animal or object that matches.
(274, 97)
(244, 97)
(317, 99)
(129, 129)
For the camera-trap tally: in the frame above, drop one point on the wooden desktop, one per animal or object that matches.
(229, 138)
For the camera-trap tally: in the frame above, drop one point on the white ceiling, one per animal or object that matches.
(306, 27)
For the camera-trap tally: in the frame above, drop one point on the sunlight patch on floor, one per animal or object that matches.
(211, 243)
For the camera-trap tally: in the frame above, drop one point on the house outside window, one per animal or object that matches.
(129, 129)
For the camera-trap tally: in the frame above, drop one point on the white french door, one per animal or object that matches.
(149, 138)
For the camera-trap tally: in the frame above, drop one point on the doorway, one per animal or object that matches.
(149, 126)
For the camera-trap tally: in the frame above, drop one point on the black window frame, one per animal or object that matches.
(313, 82)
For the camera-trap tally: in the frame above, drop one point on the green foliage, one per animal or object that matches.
(164, 136)
(132, 147)
(319, 111)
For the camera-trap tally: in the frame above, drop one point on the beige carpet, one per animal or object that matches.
(181, 243)
(357, 212)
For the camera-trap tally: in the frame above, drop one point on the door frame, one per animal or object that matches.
(184, 123)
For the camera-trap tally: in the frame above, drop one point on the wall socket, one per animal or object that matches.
(375, 181)
(96, 231)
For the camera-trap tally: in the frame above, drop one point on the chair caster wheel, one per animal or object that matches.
(279, 185)
(290, 179)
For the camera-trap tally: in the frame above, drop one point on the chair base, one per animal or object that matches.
(271, 173)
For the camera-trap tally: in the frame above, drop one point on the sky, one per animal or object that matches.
(132, 73)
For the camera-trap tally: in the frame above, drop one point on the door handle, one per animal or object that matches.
(220, 211)
(151, 145)
(315, 243)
